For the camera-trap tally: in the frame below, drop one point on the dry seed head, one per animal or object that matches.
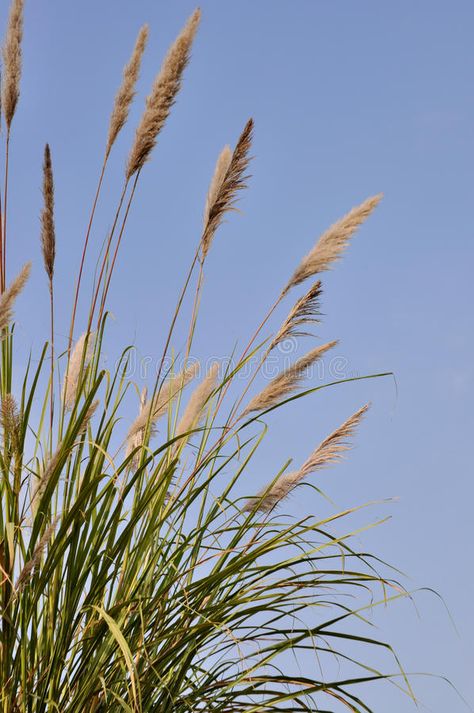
(43, 480)
(35, 560)
(328, 452)
(74, 371)
(199, 398)
(48, 238)
(7, 299)
(335, 445)
(162, 97)
(225, 188)
(286, 382)
(12, 61)
(126, 92)
(220, 171)
(87, 417)
(152, 409)
(49, 468)
(272, 495)
(306, 311)
(11, 421)
(135, 440)
(332, 243)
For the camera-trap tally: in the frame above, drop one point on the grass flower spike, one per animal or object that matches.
(162, 97)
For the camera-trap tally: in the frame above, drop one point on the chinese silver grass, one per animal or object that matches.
(79, 360)
(162, 96)
(41, 482)
(195, 407)
(30, 566)
(48, 237)
(12, 61)
(7, 299)
(286, 382)
(224, 188)
(220, 171)
(152, 410)
(135, 440)
(126, 92)
(305, 311)
(11, 422)
(332, 243)
(328, 452)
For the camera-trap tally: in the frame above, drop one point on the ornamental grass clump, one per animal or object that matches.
(145, 565)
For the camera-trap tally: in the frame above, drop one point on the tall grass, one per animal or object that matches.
(135, 576)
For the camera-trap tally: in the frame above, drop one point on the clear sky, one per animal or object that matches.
(349, 99)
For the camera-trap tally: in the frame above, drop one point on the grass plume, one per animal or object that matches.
(197, 402)
(30, 566)
(307, 310)
(7, 299)
(48, 236)
(328, 452)
(162, 96)
(126, 92)
(286, 382)
(156, 406)
(11, 423)
(12, 60)
(332, 243)
(80, 358)
(225, 185)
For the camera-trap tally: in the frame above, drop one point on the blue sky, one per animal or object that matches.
(349, 99)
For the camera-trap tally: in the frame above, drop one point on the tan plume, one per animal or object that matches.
(12, 61)
(126, 92)
(43, 479)
(199, 398)
(135, 440)
(152, 410)
(224, 188)
(220, 170)
(162, 97)
(306, 311)
(48, 237)
(79, 360)
(286, 382)
(58, 455)
(332, 243)
(30, 566)
(87, 417)
(11, 422)
(328, 452)
(7, 299)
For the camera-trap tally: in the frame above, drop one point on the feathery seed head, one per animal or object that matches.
(333, 447)
(152, 409)
(126, 92)
(286, 382)
(11, 422)
(332, 243)
(12, 61)
(220, 171)
(77, 363)
(7, 299)
(305, 311)
(43, 479)
(162, 97)
(224, 188)
(328, 452)
(199, 398)
(87, 417)
(48, 237)
(35, 560)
